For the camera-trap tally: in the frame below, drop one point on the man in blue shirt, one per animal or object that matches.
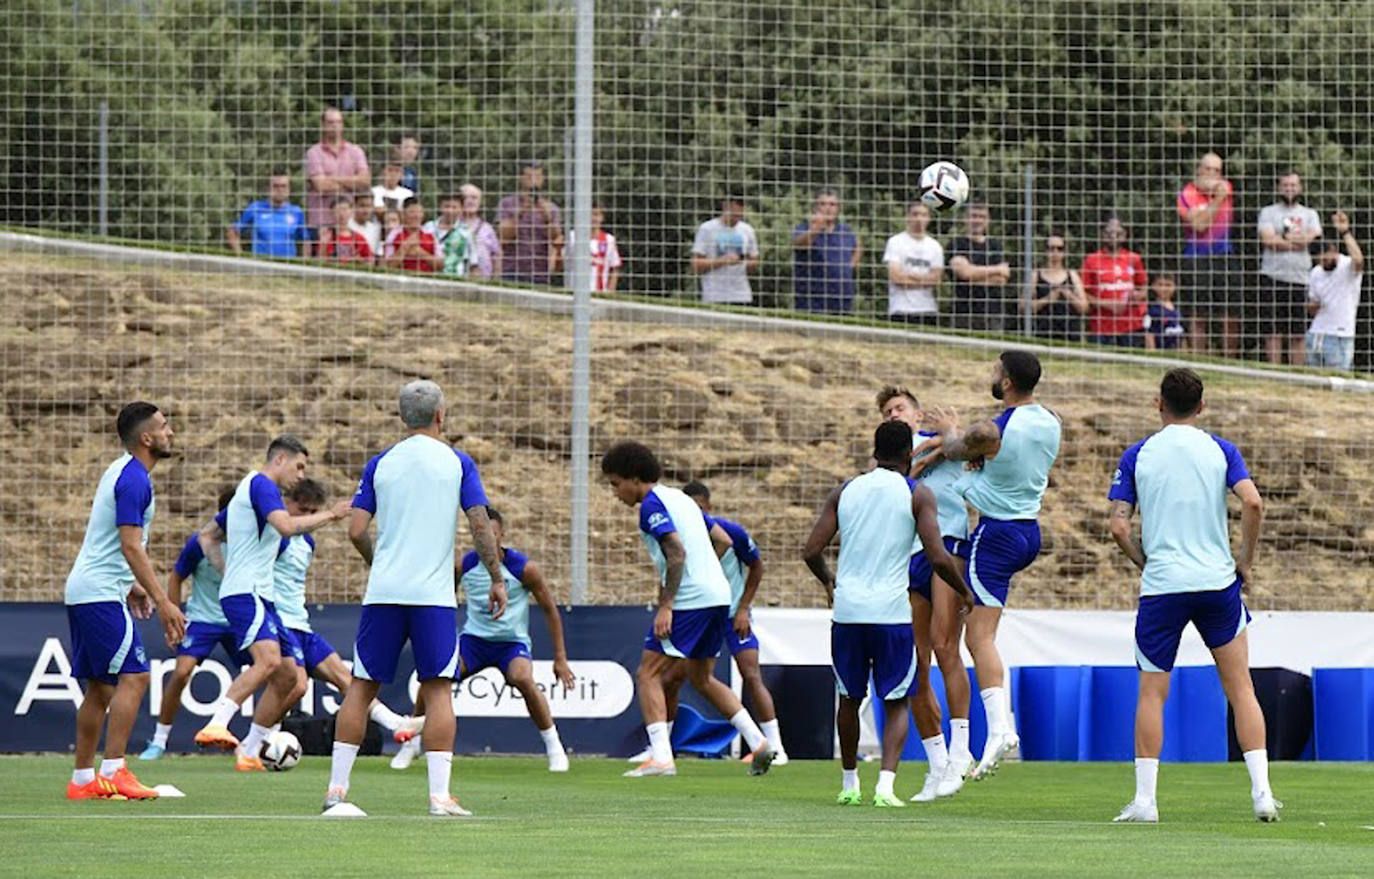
(693, 614)
(1013, 454)
(277, 226)
(825, 253)
(879, 516)
(414, 490)
(1180, 478)
(112, 575)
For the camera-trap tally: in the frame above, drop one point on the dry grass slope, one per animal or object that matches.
(770, 419)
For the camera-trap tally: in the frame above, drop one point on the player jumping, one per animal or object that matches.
(112, 575)
(1179, 477)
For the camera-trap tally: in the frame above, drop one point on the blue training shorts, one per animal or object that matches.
(887, 651)
(249, 619)
(738, 645)
(314, 648)
(1218, 615)
(383, 629)
(696, 634)
(105, 642)
(999, 548)
(919, 572)
(479, 653)
(202, 638)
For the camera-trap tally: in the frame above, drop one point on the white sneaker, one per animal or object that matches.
(1267, 808)
(1138, 813)
(649, 768)
(558, 762)
(993, 752)
(447, 807)
(927, 793)
(410, 728)
(951, 781)
(642, 757)
(407, 754)
(779, 758)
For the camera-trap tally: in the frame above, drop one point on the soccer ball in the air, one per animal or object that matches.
(943, 186)
(280, 752)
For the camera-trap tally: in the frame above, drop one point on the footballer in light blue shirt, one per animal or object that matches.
(250, 530)
(878, 516)
(414, 490)
(693, 607)
(1179, 478)
(112, 574)
(1011, 455)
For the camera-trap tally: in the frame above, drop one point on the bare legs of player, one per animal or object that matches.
(946, 628)
(122, 701)
(173, 688)
(266, 658)
(925, 708)
(520, 675)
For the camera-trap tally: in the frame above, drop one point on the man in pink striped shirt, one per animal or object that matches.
(333, 167)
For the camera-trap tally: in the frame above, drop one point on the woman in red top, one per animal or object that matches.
(1114, 279)
(415, 249)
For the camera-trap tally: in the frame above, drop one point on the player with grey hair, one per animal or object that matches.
(414, 490)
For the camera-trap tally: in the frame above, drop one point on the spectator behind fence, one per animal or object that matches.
(981, 273)
(531, 230)
(486, 244)
(390, 195)
(1205, 207)
(409, 149)
(915, 266)
(1164, 326)
(333, 167)
(606, 261)
(1278, 312)
(277, 227)
(1056, 296)
(411, 247)
(344, 242)
(1334, 299)
(724, 252)
(1114, 279)
(452, 236)
(825, 253)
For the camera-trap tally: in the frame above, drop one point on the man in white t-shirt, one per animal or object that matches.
(915, 266)
(724, 252)
(1286, 228)
(1333, 299)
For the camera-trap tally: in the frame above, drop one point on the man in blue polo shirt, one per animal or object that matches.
(277, 226)
(1180, 477)
(825, 252)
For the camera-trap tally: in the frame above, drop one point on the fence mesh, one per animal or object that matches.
(776, 145)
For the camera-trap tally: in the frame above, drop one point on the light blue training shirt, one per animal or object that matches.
(203, 604)
(514, 624)
(1012, 483)
(877, 530)
(124, 496)
(294, 556)
(250, 543)
(943, 481)
(666, 511)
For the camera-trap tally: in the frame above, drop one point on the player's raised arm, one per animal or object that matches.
(288, 525)
(981, 440)
(533, 580)
(813, 551)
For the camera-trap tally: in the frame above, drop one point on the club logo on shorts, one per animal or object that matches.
(140, 654)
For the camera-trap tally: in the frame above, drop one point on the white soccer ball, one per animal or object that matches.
(280, 752)
(943, 186)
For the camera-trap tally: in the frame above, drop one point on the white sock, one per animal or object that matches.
(440, 765)
(83, 776)
(995, 704)
(1257, 762)
(385, 716)
(746, 727)
(341, 764)
(958, 737)
(850, 779)
(660, 746)
(252, 743)
(1146, 776)
(936, 754)
(225, 709)
(773, 734)
(670, 732)
(552, 743)
(109, 767)
(274, 729)
(885, 780)
(160, 734)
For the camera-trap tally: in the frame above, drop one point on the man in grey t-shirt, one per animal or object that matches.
(724, 252)
(1279, 313)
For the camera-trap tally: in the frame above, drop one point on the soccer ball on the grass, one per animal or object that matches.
(280, 752)
(943, 186)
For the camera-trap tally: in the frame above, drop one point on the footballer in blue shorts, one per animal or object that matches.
(1179, 478)
(504, 644)
(111, 582)
(693, 614)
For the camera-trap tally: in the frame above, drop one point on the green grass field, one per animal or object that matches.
(1033, 819)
